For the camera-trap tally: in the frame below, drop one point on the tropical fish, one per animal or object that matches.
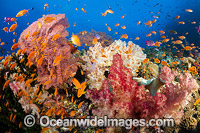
(14, 46)
(157, 61)
(55, 37)
(137, 38)
(5, 29)
(12, 27)
(125, 36)
(109, 29)
(145, 61)
(182, 22)
(83, 10)
(153, 21)
(188, 10)
(21, 13)
(109, 11)
(138, 22)
(57, 60)
(177, 17)
(148, 23)
(117, 24)
(150, 43)
(75, 40)
(7, 19)
(104, 14)
(94, 41)
(181, 37)
(123, 27)
(122, 16)
(49, 19)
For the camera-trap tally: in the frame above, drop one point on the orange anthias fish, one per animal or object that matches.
(123, 27)
(193, 70)
(75, 40)
(125, 36)
(39, 62)
(12, 27)
(196, 102)
(154, 21)
(57, 60)
(46, 5)
(14, 46)
(122, 16)
(6, 84)
(177, 17)
(188, 10)
(138, 22)
(188, 48)
(148, 35)
(148, 23)
(104, 14)
(137, 38)
(145, 61)
(162, 32)
(153, 32)
(81, 87)
(55, 37)
(164, 63)
(165, 40)
(109, 11)
(21, 13)
(94, 41)
(117, 24)
(182, 22)
(157, 61)
(83, 10)
(181, 37)
(49, 19)
(109, 29)
(5, 29)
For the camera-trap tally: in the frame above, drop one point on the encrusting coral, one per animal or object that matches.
(44, 40)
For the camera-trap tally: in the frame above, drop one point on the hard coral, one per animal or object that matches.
(38, 37)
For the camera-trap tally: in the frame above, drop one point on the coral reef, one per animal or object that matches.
(46, 41)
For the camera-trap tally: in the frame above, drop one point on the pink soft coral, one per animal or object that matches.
(39, 38)
(122, 98)
(177, 93)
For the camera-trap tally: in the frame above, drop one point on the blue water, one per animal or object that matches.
(134, 10)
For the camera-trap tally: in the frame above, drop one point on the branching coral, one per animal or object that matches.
(47, 40)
